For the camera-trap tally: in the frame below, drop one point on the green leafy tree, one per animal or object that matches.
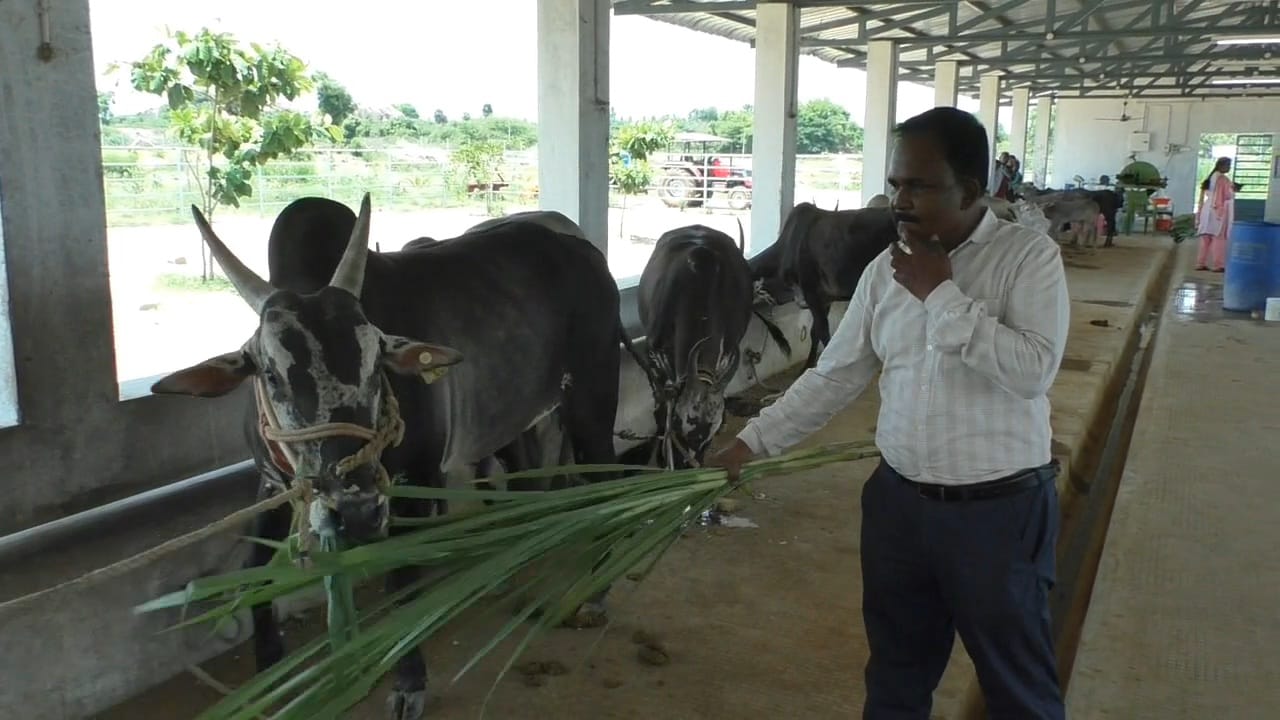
(480, 158)
(466, 117)
(440, 118)
(408, 110)
(629, 151)
(333, 99)
(105, 101)
(225, 100)
(487, 110)
(824, 127)
(736, 125)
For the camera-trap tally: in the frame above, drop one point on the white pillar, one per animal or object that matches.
(989, 109)
(882, 111)
(1018, 133)
(573, 113)
(1044, 115)
(773, 145)
(946, 78)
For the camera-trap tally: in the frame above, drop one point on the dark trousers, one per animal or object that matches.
(983, 568)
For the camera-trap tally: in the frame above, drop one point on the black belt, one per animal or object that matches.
(1017, 482)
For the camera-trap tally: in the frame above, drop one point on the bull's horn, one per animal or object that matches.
(742, 237)
(252, 288)
(349, 275)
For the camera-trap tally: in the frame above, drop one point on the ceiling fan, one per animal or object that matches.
(1124, 114)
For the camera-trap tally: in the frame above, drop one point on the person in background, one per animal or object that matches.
(999, 184)
(966, 327)
(1214, 218)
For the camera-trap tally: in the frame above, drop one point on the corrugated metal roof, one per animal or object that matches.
(1121, 41)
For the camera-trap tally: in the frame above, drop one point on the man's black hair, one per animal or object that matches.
(961, 136)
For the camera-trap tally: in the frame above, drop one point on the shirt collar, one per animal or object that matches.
(984, 232)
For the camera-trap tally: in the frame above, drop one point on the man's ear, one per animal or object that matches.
(214, 377)
(972, 192)
(410, 357)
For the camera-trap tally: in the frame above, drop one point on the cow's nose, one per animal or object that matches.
(363, 518)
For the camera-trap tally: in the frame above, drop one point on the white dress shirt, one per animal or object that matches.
(964, 375)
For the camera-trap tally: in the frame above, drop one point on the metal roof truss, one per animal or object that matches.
(1131, 48)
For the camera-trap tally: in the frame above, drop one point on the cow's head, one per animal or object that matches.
(696, 412)
(319, 367)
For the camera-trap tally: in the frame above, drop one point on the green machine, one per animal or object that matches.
(1138, 181)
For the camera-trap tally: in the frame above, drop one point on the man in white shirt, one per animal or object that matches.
(960, 519)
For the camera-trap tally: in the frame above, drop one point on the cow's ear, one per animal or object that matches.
(410, 357)
(214, 377)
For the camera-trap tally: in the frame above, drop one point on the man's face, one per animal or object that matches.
(928, 199)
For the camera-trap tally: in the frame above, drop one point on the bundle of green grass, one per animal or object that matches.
(617, 525)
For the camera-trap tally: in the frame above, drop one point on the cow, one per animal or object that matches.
(1109, 201)
(822, 254)
(1077, 211)
(696, 299)
(1002, 208)
(521, 321)
(878, 201)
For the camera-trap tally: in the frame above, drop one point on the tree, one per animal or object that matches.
(440, 118)
(736, 125)
(629, 152)
(333, 99)
(408, 110)
(479, 157)
(824, 127)
(224, 100)
(487, 110)
(466, 117)
(105, 101)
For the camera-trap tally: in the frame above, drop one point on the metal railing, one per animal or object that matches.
(157, 185)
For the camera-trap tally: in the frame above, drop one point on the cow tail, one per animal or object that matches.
(775, 332)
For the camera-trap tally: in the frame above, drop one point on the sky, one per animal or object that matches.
(457, 55)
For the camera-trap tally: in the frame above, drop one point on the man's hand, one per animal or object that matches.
(732, 459)
(926, 267)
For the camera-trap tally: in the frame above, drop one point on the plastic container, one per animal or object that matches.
(1253, 266)
(1272, 313)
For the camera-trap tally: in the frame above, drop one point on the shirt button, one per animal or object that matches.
(928, 347)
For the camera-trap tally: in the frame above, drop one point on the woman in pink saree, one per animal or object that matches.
(1213, 222)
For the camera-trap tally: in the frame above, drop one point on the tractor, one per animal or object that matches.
(691, 174)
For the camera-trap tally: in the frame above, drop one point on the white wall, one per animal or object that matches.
(1084, 145)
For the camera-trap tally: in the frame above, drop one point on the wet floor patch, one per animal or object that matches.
(1198, 301)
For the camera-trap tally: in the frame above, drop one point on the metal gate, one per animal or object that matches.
(1252, 169)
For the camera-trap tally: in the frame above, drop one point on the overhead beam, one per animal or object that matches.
(1179, 30)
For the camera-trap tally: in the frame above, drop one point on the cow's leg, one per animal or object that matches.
(268, 645)
(409, 694)
(820, 332)
(590, 409)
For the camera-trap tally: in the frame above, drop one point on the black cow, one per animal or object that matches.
(695, 301)
(822, 254)
(524, 319)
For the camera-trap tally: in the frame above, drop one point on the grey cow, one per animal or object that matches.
(524, 319)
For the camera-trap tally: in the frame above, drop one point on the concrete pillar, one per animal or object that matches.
(1018, 132)
(1271, 211)
(573, 113)
(773, 145)
(946, 78)
(989, 109)
(1044, 114)
(882, 110)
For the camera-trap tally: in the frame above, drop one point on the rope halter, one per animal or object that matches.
(281, 443)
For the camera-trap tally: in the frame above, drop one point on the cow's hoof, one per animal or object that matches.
(406, 704)
(589, 615)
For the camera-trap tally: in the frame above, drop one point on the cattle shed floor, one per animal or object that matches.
(759, 621)
(1183, 619)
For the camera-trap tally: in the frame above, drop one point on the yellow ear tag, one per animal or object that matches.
(424, 358)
